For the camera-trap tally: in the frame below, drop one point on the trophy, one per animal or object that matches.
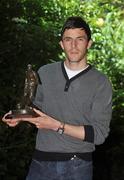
(24, 107)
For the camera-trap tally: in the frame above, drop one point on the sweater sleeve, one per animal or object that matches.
(100, 115)
(89, 133)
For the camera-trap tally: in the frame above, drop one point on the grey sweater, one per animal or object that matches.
(86, 99)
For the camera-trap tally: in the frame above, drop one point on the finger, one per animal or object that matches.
(7, 120)
(38, 112)
(4, 117)
(28, 119)
(37, 125)
(12, 124)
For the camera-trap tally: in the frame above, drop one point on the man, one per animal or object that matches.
(75, 105)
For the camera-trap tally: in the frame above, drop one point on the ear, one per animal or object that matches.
(89, 44)
(61, 44)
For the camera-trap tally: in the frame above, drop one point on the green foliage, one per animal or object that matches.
(30, 33)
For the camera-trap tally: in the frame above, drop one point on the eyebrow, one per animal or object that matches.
(76, 37)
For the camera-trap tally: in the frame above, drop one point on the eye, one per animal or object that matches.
(81, 39)
(67, 39)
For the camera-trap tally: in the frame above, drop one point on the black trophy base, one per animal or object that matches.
(22, 113)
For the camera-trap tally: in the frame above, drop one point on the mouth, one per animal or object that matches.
(73, 52)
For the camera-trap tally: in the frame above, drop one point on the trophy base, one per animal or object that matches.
(22, 113)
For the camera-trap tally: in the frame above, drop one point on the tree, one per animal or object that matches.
(30, 32)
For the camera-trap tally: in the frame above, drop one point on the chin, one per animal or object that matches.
(73, 62)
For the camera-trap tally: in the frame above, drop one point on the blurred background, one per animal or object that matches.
(30, 33)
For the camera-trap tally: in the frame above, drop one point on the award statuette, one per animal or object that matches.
(24, 108)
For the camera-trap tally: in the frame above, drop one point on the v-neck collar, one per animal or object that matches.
(68, 81)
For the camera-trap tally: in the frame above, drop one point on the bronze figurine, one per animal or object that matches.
(24, 108)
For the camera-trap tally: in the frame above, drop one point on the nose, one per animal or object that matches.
(74, 43)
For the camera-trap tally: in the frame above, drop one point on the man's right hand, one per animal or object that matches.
(10, 122)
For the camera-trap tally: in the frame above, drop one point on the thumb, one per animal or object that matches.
(38, 111)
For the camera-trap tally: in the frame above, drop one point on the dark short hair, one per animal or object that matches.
(76, 22)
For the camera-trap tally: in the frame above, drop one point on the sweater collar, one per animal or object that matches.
(68, 81)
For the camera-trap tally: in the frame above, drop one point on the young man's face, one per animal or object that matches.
(75, 44)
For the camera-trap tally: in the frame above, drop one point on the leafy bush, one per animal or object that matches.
(30, 34)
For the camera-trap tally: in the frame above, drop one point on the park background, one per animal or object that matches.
(30, 33)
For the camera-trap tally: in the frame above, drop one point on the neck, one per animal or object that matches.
(76, 65)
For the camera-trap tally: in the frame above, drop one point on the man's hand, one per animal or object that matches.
(43, 121)
(10, 122)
